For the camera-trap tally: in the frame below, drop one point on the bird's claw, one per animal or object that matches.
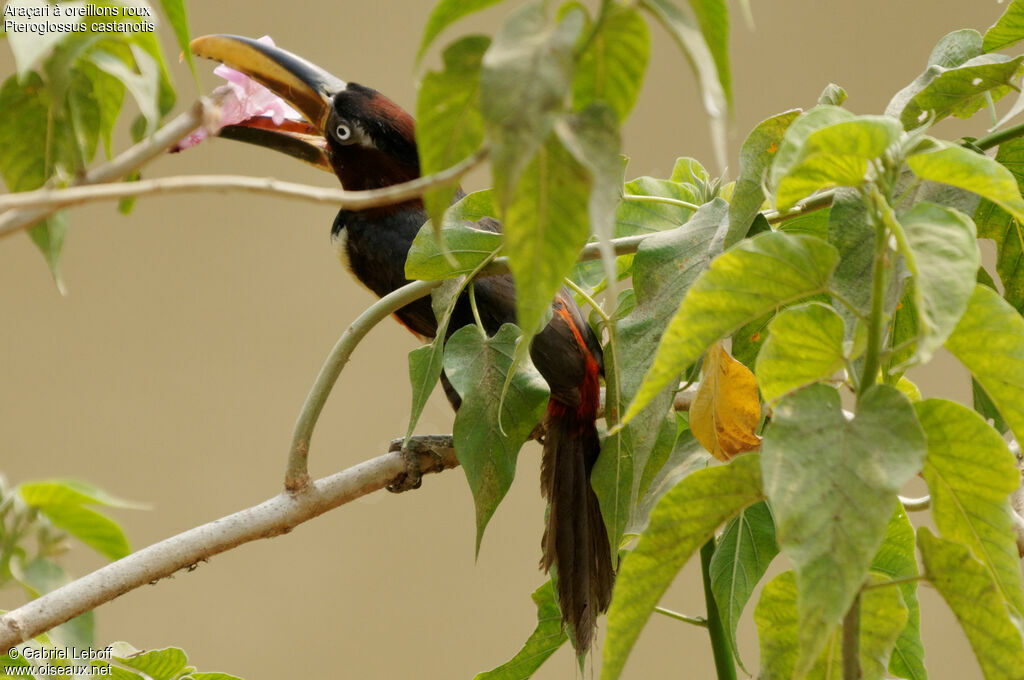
(412, 478)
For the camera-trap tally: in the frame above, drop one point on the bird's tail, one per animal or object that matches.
(575, 539)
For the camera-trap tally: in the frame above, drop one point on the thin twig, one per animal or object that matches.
(916, 504)
(692, 620)
(54, 199)
(296, 475)
(273, 517)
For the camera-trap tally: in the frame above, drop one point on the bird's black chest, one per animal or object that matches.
(374, 249)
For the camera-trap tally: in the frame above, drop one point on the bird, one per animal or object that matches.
(368, 141)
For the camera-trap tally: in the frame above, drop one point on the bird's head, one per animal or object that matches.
(366, 139)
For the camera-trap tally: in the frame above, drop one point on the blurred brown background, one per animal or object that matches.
(174, 369)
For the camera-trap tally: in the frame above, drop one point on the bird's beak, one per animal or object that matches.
(304, 85)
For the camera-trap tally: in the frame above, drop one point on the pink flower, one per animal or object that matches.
(245, 99)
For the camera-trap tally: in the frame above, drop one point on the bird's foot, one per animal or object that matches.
(414, 452)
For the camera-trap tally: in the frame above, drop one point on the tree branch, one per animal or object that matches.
(296, 475)
(274, 517)
(34, 203)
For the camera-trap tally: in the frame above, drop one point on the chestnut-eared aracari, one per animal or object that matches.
(368, 142)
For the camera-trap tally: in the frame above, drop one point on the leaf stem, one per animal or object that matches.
(724, 663)
(692, 620)
(851, 642)
(297, 474)
(476, 310)
(639, 198)
(997, 138)
(589, 300)
(876, 325)
(894, 582)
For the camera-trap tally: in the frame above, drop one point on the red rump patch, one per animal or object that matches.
(590, 388)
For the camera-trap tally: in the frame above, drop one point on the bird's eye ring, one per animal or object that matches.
(342, 132)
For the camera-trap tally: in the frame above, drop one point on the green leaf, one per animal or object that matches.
(896, 559)
(713, 19)
(714, 89)
(684, 519)
(445, 13)
(883, 615)
(545, 640)
(645, 217)
(853, 235)
(960, 167)
(744, 551)
(970, 474)
(959, 91)
(49, 237)
(805, 345)
(71, 492)
(995, 223)
(665, 467)
(759, 275)
(833, 155)
(665, 266)
(756, 157)
(967, 587)
(546, 225)
(611, 68)
(955, 48)
(476, 367)
(144, 85)
(159, 664)
(177, 17)
(989, 341)
(832, 484)
(97, 531)
(468, 244)
(1008, 31)
(449, 126)
(832, 95)
(526, 73)
(796, 134)
(941, 252)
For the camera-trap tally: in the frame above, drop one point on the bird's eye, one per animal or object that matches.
(342, 132)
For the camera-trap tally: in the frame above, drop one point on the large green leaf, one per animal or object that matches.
(445, 13)
(883, 615)
(158, 664)
(71, 492)
(757, 276)
(967, 587)
(941, 252)
(832, 484)
(684, 519)
(545, 640)
(897, 559)
(546, 225)
(989, 341)
(1008, 31)
(697, 50)
(611, 68)
(744, 551)
(468, 245)
(834, 155)
(526, 73)
(805, 345)
(796, 134)
(756, 156)
(426, 363)
(713, 19)
(851, 232)
(477, 367)
(958, 91)
(645, 217)
(995, 223)
(64, 503)
(974, 172)
(665, 266)
(970, 474)
(449, 125)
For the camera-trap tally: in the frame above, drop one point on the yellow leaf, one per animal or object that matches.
(726, 409)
